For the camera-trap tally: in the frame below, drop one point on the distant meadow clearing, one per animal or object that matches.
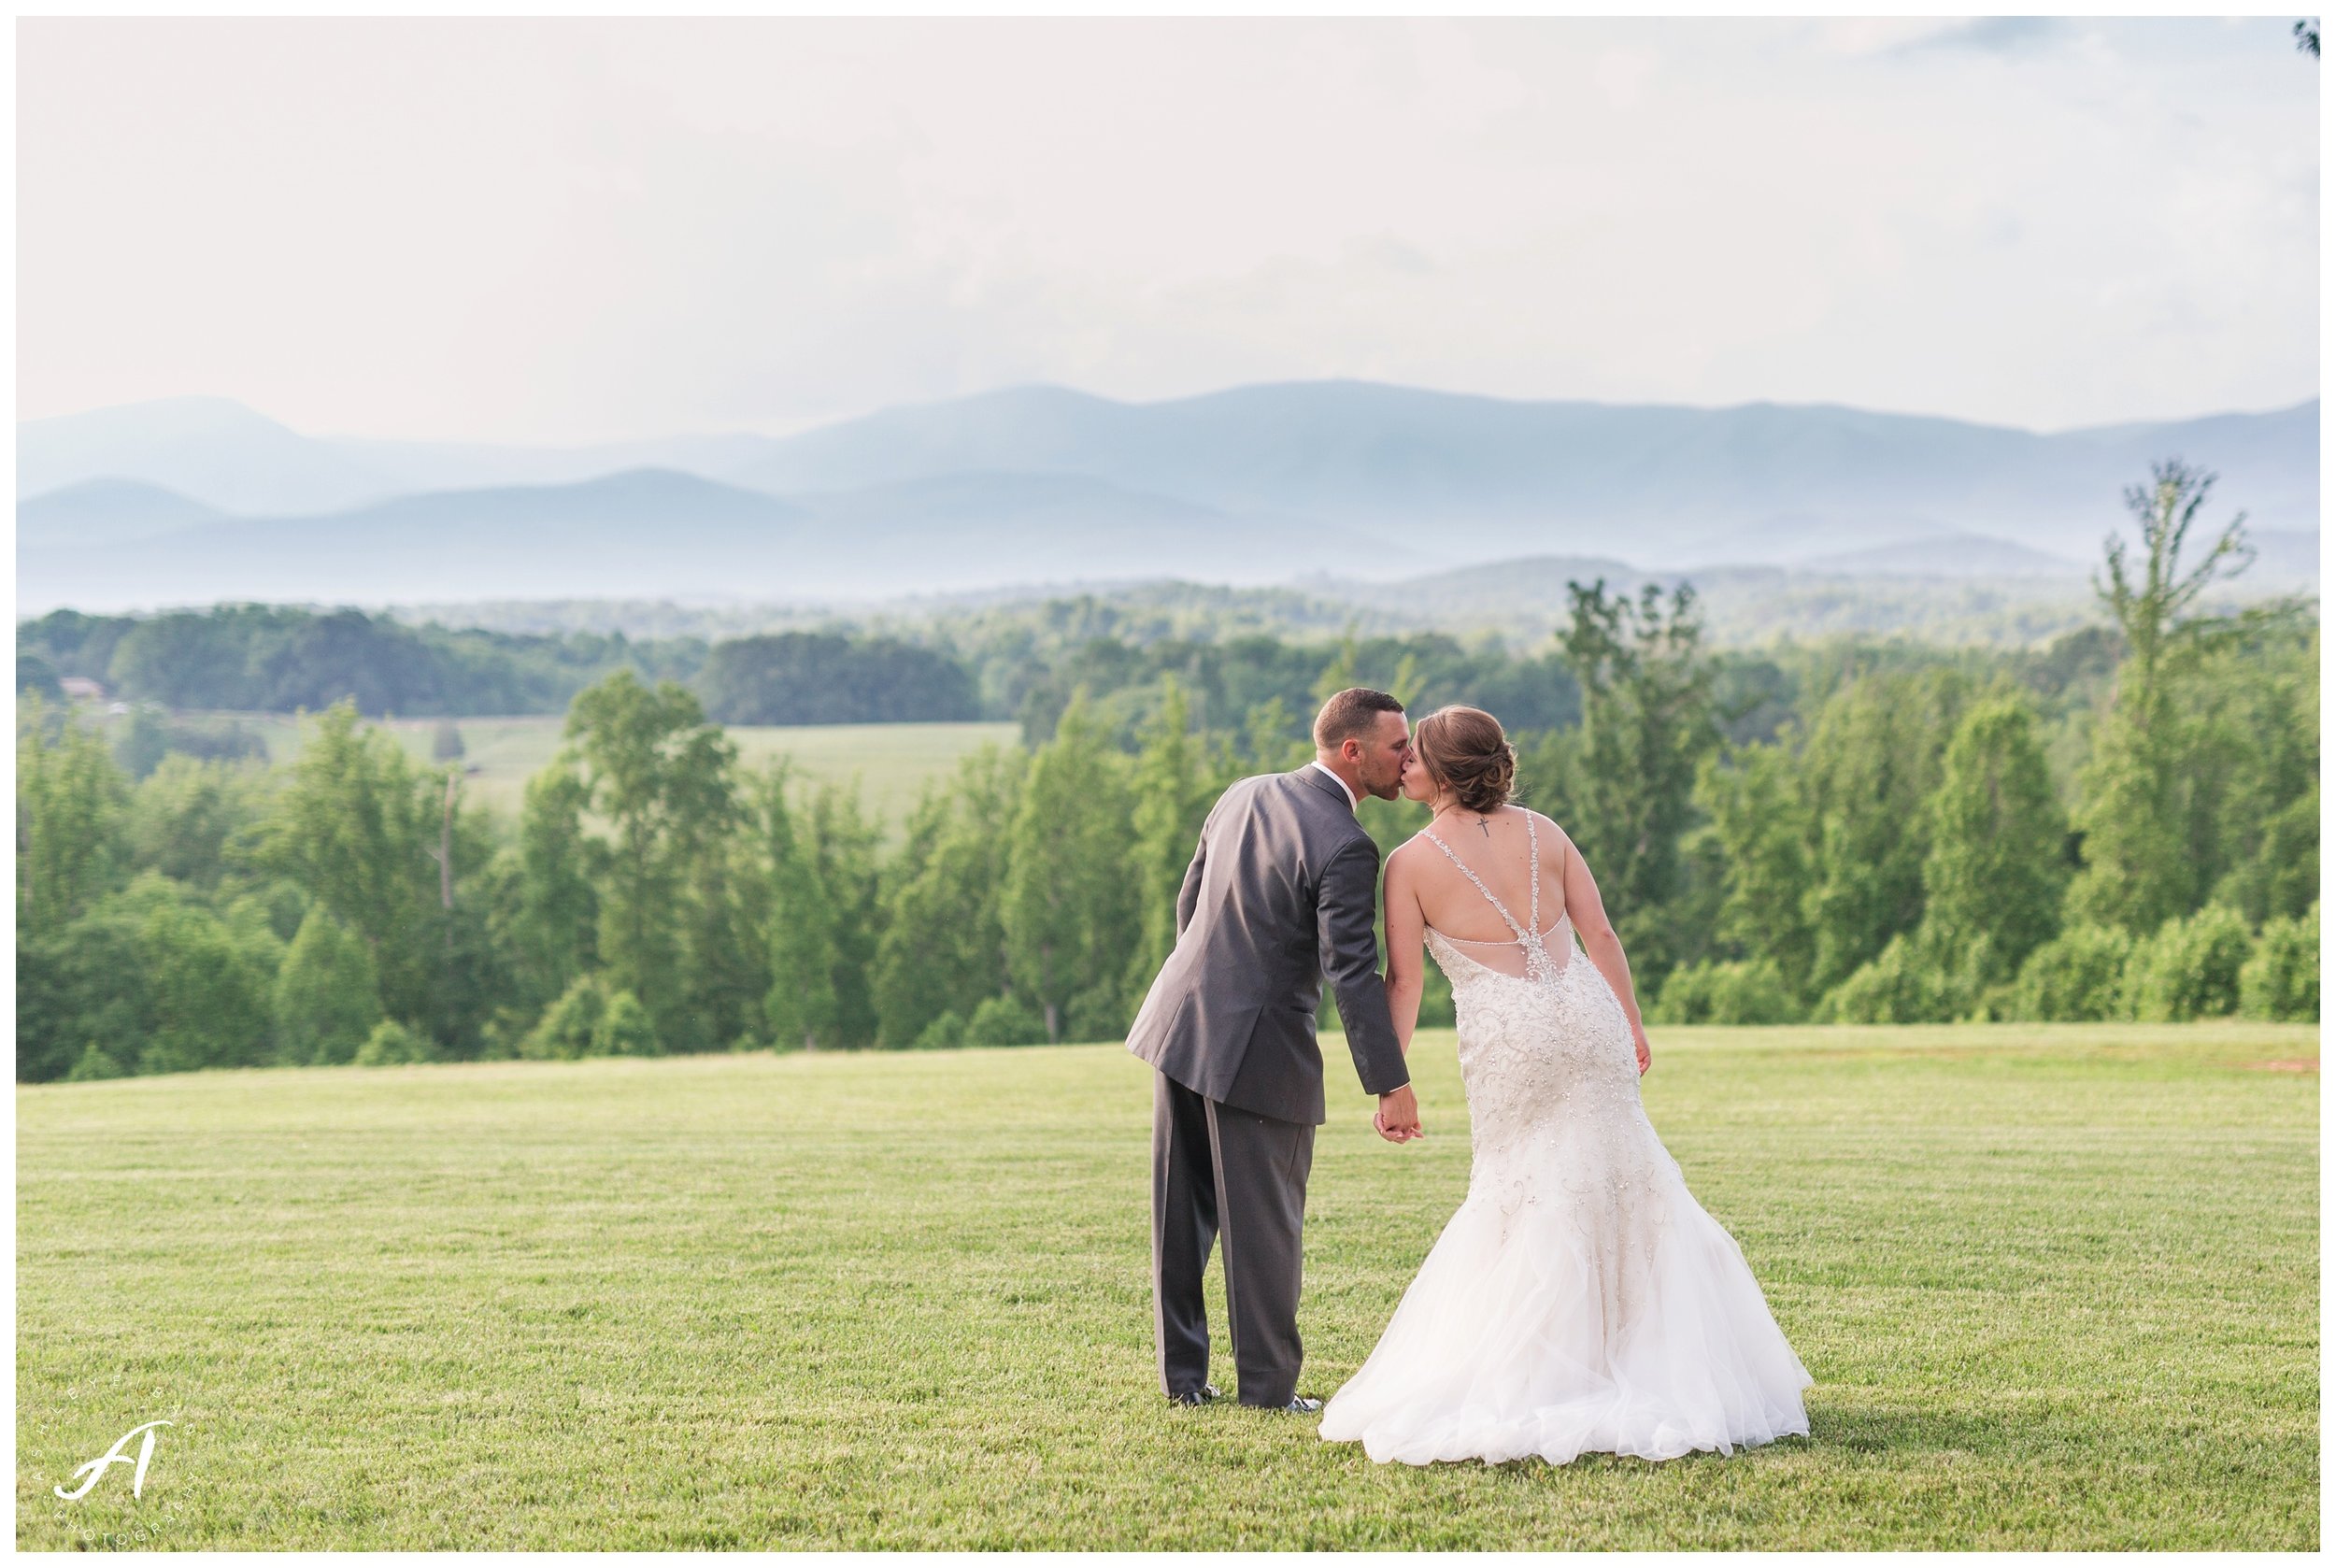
(890, 764)
(2057, 1286)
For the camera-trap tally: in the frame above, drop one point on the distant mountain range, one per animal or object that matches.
(654, 532)
(194, 500)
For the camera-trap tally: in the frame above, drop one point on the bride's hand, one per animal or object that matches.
(1406, 1127)
(1646, 1052)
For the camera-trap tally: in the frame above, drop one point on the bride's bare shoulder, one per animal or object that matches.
(1415, 852)
(1552, 834)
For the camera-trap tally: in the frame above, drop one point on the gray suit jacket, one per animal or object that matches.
(1280, 892)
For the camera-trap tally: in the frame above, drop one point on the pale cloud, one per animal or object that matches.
(1992, 35)
(1622, 74)
(570, 230)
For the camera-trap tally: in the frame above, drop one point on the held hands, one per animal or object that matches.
(1397, 1120)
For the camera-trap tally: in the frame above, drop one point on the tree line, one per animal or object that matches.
(1021, 665)
(2122, 825)
(282, 659)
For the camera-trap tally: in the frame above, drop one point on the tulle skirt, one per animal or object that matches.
(1576, 1322)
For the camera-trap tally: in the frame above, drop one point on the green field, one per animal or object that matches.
(892, 764)
(2057, 1286)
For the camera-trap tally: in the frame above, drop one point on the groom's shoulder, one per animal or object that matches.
(1258, 787)
(1303, 786)
(1272, 792)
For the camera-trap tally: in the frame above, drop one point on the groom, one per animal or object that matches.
(1281, 891)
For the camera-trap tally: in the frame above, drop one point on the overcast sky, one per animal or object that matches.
(567, 230)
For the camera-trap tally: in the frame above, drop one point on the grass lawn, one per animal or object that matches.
(2057, 1286)
(891, 763)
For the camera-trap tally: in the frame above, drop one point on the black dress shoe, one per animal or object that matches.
(1206, 1393)
(1298, 1407)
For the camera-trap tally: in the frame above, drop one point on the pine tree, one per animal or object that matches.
(1874, 757)
(1647, 724)
(2139, 869)
(1070, 905)
(1171, 801)
(635, 745)
(725, 969)
(843, 847)
(355, 830)
(1997, 866)
(70, 800)
(1753, 797)
(2138, 872)
(2268, 863)
(553, 933)
(943, 950)
(800, 1006)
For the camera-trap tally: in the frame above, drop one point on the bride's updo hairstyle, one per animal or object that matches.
(1465, 751)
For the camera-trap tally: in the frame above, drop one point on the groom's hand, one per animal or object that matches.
(1398, 1116)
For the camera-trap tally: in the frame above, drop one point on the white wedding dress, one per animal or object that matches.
(1580, 1300)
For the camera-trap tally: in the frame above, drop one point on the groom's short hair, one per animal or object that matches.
(1350, 715)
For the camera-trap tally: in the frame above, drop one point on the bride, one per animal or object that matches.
(1580, 1300)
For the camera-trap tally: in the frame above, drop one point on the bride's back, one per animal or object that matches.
(1500, 849)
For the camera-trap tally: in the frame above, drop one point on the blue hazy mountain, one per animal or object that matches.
(1491, 477)
(1042, 484)
(223, 455)
(213, 450)
(1948, 555)
(105, 512)
(656, 532)
(425, 465)
(582, 541)
(979, 529)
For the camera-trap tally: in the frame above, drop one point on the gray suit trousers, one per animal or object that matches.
(1220, 1171)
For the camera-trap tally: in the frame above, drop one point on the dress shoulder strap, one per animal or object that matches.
(1532, 870)
(1510, 920)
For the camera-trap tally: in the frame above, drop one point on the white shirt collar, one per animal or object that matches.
(1351, 800)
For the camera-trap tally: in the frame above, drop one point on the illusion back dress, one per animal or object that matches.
(1580, 1300)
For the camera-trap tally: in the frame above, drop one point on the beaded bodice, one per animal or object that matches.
(1549, 1063)
(1539, 963)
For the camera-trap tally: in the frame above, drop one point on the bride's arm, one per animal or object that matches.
(1600, 942)
(1404, 978)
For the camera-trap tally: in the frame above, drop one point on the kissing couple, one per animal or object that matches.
(1579, 1299)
